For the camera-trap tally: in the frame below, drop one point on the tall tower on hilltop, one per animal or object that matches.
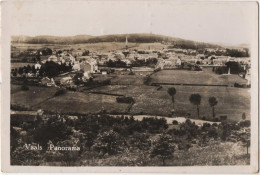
(126, 43)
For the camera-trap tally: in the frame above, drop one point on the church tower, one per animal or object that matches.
(126, 43)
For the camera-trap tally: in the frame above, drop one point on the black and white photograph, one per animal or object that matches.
(131, 84)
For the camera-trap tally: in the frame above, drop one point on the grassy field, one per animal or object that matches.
(220, 154)
(231, 101)
(104, 47)
(32, 97)
(18, 65)
(73, 102)
(195, 77)
(127, 80)
(76, 102)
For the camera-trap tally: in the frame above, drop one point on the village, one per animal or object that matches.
(93, 64)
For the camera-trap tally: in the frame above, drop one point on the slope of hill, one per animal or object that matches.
(135, 38)
(45, 39)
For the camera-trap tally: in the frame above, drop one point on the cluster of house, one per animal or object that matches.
(166, 59)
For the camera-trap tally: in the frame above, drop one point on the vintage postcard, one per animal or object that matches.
(129, 86)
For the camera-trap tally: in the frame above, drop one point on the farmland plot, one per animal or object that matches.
(232, 102)
(84, 103)
(204, 77)
(33, 96)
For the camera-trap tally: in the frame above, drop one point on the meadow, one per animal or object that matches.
(71, 102)
(18, 65)
(206, 77)
(96, 47)
(148, 100)
(84, 103)
(232, 102)
(32, 97)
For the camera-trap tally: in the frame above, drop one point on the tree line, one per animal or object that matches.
(49, 68)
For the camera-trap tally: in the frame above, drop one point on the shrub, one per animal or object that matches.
(141, 141)
(245, 123)
(175, 122)
(216, 119)
(237, 85)
(241, 85)
(223, 117)
(23, 156)
(124, 100)
(215, 124)
(108, 142)
(163, 148)
(221, 70)
(25, 88)
(71, 89)
(60, 92)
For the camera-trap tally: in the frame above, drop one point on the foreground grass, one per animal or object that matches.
(224, 153)
(212, 155)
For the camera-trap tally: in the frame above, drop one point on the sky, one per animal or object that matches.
(216, 22)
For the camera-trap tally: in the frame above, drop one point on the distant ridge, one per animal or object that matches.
(135, 37)
(46, 39)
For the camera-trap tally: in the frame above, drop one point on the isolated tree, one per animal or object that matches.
(172, 92)
(20, 70)
(33, 70)
(163, 148)
(14, 73)
(243, 116)
(213, 102)
(195, 99)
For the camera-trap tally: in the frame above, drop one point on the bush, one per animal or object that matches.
(60, 92)
(215, 124)
(223, 117)
(124, 100)
(241, 85)
(175, 122)
(71, 89)
(108, 142)
(245, 123)
(25, 88)
(221, 70)
(23, 156)
(216, 119)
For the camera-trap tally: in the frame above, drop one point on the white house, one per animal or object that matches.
(37, 66)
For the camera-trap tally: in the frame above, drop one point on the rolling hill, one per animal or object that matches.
(135, 38)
